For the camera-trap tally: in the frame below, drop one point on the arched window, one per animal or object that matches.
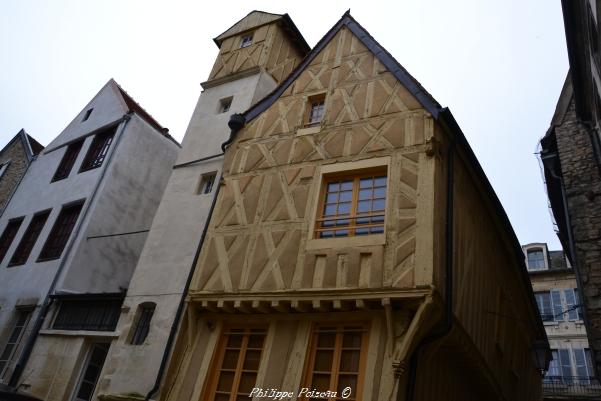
(142, 322)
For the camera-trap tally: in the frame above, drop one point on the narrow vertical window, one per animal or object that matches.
(142, 326)
(98, 150)
(68, 160)
(207, 182)
(8, 235)
(578, 304)
(316, 107)
(571, 307)
(565, 364)
(246, 40)
(91, 372)
(554, 373)
(582, 372)
(234, 373)
(558, 311)
(29, 238)
(543, 300)
(58, 237)
(14, 339)
(336, 358)
(87, 114)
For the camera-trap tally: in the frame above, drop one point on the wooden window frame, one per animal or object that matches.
(308, 370)
(311, 101)
(356, 177)
(9, 234)
(104, 346)
(61, 221)
(68, 161)
(98, 149)
(29, 239)
(214, 373)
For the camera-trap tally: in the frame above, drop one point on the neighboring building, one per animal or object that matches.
(255, 54)
(356, 244)
(571, 156)
(571, 372)
(70, 240)
(15, 158)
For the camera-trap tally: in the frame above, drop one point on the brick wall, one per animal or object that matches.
(583, 190)
(11, 177)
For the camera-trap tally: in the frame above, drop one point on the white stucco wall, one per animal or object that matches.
(137, 166)
(171, 245)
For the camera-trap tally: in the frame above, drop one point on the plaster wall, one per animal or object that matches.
(171, 244)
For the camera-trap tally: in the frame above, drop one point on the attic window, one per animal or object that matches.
(246, 40)
(315, 109)
(225, 104)
(87, 115)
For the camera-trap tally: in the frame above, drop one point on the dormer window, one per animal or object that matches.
(536, 259)
(246, 40)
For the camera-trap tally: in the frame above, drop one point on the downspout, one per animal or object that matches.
(28, 347)
(448, 318)
(236, 123)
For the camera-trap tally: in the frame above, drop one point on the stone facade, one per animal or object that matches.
(16, 157)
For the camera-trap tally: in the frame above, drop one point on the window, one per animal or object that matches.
(353, 205)
(92, 315)
(543, 300)
(558, 305)
(236, 364)
(145, 312)
(98, 150)
(246, 40)
(8, 235)
(87, 115)
(29, 238)
(207, 181)
(578, 304)
(536, 259)
(225, 104)
(14, 339)
(91, 372)
(336, 358)
(570, 365)
(58, 237)
(3, 168)
(316, 107)
(68, 160)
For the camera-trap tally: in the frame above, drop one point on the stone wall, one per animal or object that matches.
(15, 170)
(582, 182)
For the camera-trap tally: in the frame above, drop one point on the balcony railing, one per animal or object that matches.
(566, 386)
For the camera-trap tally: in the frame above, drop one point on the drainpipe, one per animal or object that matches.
(448, 318)
(236, 123)
(28, 347)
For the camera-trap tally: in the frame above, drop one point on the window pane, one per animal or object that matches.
(380, 181)
(366, 182)
(364, 207)
(230, 359)
(226, 381)
(349, 361)
(344, 208)
(346, 186)
(378, 204)
(536, 259)
(247, 382)
(252, 359)
(332, 198)
(323, 361)
(557, 305)
(365, 194)
(346, 196)
(330, 210)
(570, 304)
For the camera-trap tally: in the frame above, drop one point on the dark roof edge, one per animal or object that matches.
(449, 120)
(89, 296)
(425, 99)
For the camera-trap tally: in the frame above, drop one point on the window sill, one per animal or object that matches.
(79, 333)
(309, 130)
(367, 240)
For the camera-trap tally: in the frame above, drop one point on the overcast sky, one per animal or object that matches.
(498, 65)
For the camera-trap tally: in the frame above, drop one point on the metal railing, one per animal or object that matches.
(571, 386)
